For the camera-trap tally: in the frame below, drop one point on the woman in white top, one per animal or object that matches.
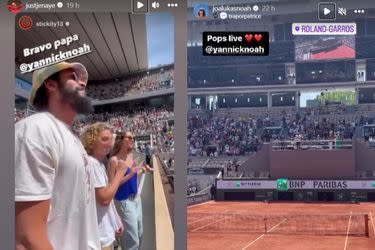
(97, 140)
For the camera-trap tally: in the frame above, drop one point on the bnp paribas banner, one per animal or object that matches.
(285, 184)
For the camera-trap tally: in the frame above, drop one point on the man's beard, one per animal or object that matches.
(81, 104)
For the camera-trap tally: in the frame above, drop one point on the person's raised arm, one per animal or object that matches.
(116, 172)
(143, 168)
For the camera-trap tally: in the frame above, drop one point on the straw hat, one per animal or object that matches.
(40, 75)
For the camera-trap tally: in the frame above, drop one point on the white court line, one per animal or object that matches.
(264, 234)
(347, 232)
(205, 218)
(200, 204)
(372, 223)
(207, 225)
(192, 222)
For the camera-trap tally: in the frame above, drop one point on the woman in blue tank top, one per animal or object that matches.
(128, 188)
(126, 198)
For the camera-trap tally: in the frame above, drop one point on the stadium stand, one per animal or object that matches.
(239, 104)
(235, 134)
(139, 83)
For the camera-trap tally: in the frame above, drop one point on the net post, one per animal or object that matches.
(265, 224)
(367, 226)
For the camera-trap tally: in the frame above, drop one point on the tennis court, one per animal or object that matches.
(259, 225)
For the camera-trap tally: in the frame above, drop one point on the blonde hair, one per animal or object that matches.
(91, 134)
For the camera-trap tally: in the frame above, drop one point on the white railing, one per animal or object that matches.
(312, 145)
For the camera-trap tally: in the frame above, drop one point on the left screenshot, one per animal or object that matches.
(94, 129)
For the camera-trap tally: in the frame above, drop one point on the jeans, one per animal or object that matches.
(130, 211)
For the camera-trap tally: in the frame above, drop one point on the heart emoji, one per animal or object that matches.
(258, 37)
(248, 37)
(14, 6)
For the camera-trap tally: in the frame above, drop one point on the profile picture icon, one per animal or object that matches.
(14, 6)
(25, 22)
(201, 11)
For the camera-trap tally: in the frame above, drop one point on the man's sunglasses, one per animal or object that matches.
(75, 77)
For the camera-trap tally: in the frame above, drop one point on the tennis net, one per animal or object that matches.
(356, 224)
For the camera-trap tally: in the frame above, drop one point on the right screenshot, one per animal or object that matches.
(281, 125)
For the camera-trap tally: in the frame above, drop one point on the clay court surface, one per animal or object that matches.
(205, 229)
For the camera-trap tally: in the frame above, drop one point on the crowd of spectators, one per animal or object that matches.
(140, 83)
(165, 139)
(192, 187)
(307, 128)
(230, 168)
(369, 136)
(169, 163)
(19, 114)
(231, 136)
(142, 121)
(371, 142)
(222, 136)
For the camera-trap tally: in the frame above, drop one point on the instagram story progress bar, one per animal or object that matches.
(324, 29)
